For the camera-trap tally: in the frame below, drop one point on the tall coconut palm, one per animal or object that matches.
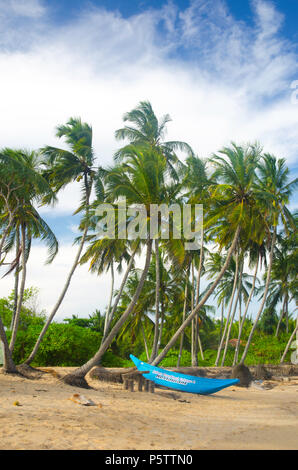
(197, 184)
(146, 129)
(141, 180)
(21, 188)
(64, 167)
(233, 207)
(284, 271)
(273, 191)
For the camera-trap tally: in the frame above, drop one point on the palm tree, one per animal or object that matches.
(64, 167)
(21, 188)
(141, 180)
(146, 129)
(273, 191)
(284, 271)
(197, 183)
(233, 208)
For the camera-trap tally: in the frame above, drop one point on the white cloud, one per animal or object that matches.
(86, 293)
(29, 8)
(218, 78)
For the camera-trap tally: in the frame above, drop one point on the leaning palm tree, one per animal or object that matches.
(64, 167)
(22, 187)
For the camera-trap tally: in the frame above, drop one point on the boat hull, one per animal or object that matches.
(182, 382)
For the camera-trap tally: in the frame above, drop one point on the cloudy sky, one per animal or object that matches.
(223, 70)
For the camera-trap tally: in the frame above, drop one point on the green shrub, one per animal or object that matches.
(62, 345)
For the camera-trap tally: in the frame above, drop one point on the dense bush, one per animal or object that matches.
(63, 345)
(264, 350)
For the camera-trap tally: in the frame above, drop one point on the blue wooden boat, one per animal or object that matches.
(182, 382)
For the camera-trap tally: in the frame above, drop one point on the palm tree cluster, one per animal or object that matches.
(246, 225)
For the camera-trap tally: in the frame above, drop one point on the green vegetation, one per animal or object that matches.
(74, 341)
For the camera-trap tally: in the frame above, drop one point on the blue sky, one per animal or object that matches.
(64, 10)
(222, 69)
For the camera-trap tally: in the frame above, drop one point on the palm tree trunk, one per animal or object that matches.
(287, 313)
(129, 266)
(8, 364)
(157, 291)
(221, 319)
(77, 377)
(245, 313)
(282, 313)
(201, 303)
(16, 280)
(232, 317)
(200, 344)
(295, 332)
(198, 290)
(229, 311)
(194, 331)
(107, 319)
(183, 319)
(264, 298)
(162, 319)
(145, 341)
(22, 289)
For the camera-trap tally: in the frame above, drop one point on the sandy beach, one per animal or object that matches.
(37, 414)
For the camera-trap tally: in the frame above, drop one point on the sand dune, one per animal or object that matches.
(234, 418)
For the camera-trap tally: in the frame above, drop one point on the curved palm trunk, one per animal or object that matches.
(16, 280)
(245, 313)
(76, 377)
(8, 364)
(264, 298)
(232, 317)
(157, 291)
(108, 319)
(229, 312)
(201, 303)
(295, 332)
(129, 266)
(22, 289)
(183, 319)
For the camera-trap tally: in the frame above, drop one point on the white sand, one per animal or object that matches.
(234, 418)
